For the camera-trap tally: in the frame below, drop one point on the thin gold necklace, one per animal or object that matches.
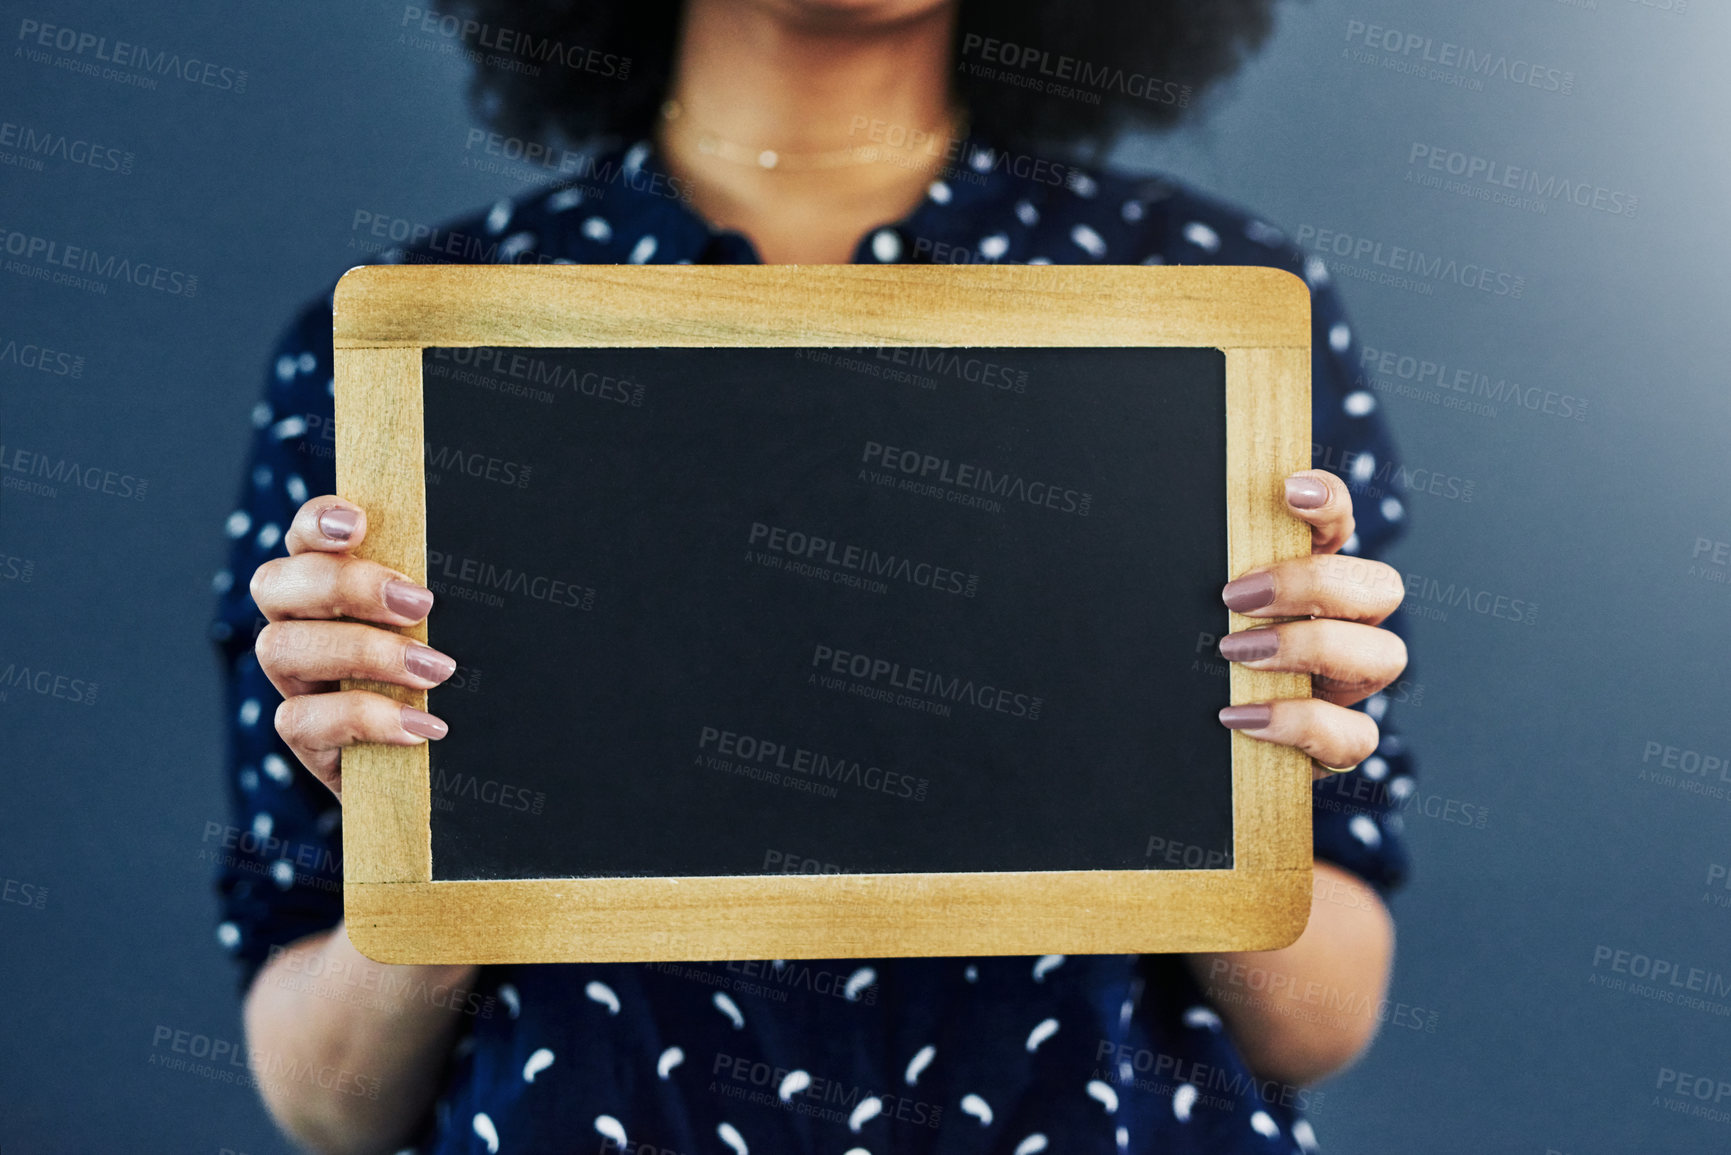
(771, 159)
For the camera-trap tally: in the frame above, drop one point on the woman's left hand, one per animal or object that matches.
(1341, 646)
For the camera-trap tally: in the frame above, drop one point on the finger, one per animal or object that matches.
(1322, 499)
(1332, 585)
(318, 726)
(301, 657)
(326, 523)
(1337, 737)
(1348, 661)
(333, 585)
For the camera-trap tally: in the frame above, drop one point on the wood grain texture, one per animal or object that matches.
(1267, 438)
(387, 791)
(828, 916)
(787, 305)
(1260, 317)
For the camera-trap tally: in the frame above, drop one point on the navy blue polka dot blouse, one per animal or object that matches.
(1098, 1055)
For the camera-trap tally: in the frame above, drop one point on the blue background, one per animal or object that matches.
(1541, 728)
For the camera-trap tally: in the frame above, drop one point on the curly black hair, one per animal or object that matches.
(1067, 77)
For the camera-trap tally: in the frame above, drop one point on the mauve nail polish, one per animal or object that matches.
(1306, 493)
(422, 724)
(339, 524)
(1246, 717)
(426, 662)
(1249, 593)
(409, 599)
(1250, 646)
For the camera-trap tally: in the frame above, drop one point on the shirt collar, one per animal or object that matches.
(626, 204)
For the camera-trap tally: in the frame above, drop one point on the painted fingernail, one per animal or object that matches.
(1249, 593)
(422, 724)
(1250, 646)
(426, 662)
(1246, 717)
(338, 524)
(1306, 493)
(411, 600)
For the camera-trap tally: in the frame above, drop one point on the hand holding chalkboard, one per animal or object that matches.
(315, 601)
(1339, 600)
(906, 572)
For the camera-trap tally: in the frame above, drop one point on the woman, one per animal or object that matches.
(808, 131)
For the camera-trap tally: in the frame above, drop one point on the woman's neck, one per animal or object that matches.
(760, 80)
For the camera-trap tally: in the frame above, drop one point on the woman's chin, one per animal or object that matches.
(856, 14)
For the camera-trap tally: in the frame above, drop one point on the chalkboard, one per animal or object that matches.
(814, 612)
(748, 600)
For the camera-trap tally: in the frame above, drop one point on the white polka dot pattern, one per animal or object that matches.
(999, 1048)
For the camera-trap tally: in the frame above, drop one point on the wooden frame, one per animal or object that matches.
(386, 315)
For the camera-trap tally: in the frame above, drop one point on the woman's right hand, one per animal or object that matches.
(304, 652)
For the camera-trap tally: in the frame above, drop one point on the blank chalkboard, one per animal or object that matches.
(825, 611)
